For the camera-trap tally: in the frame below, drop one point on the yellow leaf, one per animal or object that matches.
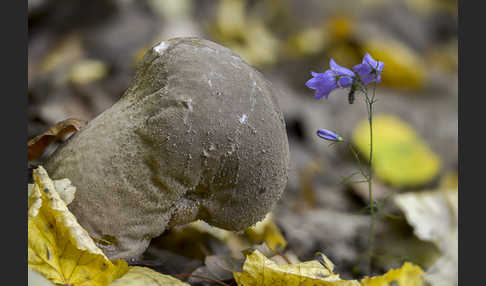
(247, 36)
(400, 157)
(267, 231)
(231, 17)
(261, 271)
(307, 42)
(137, 275)
(408, 275)
(340, 26)
(58, 247)
(87, 71)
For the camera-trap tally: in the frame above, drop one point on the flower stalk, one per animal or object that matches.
(369, 104)
(369, 71)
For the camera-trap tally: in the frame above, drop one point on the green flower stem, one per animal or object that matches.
(369, 104)
(356, 156)
(367, 176)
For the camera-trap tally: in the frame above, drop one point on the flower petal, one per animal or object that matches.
(315, 74)
(365, 72)
(312, 83)
(362, 69)
(370, 70)
(323, 83)
(324, 89)
(380, 66)
(339, 70)
(367, 59)
(368, 78)
(321, 93)
(374, 64)
(345, 81)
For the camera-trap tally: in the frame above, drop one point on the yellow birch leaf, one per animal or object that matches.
(58, 247)
(261, 271)
(408, 275)
(267, 231)
(400, 157)
(145, 276)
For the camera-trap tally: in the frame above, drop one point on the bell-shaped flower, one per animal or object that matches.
(344, 76)
(369, 70)
(336, 77)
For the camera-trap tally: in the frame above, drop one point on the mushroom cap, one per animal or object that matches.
(197, 135)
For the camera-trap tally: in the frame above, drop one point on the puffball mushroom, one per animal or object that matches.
(197, 135)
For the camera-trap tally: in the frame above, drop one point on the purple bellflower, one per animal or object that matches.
(329, 135)
(369, 70)
(336, 77)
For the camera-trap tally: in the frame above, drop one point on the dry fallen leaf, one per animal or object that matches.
(407, 275)
(259, 270)
(37, 145)
(138, 276)
(58, 247)
(434, 216)
(65, 190)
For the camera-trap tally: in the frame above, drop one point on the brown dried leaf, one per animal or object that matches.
(37, 145)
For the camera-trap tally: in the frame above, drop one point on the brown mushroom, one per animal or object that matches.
(197, 135)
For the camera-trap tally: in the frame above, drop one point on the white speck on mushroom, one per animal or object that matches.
(215, 74)
(243, 118)
(189, 104)
(210, 83)
(235, 65)
(160, 48)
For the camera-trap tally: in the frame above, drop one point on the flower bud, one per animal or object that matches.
(329, 135)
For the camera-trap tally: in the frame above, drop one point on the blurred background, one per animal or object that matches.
(83, 54)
